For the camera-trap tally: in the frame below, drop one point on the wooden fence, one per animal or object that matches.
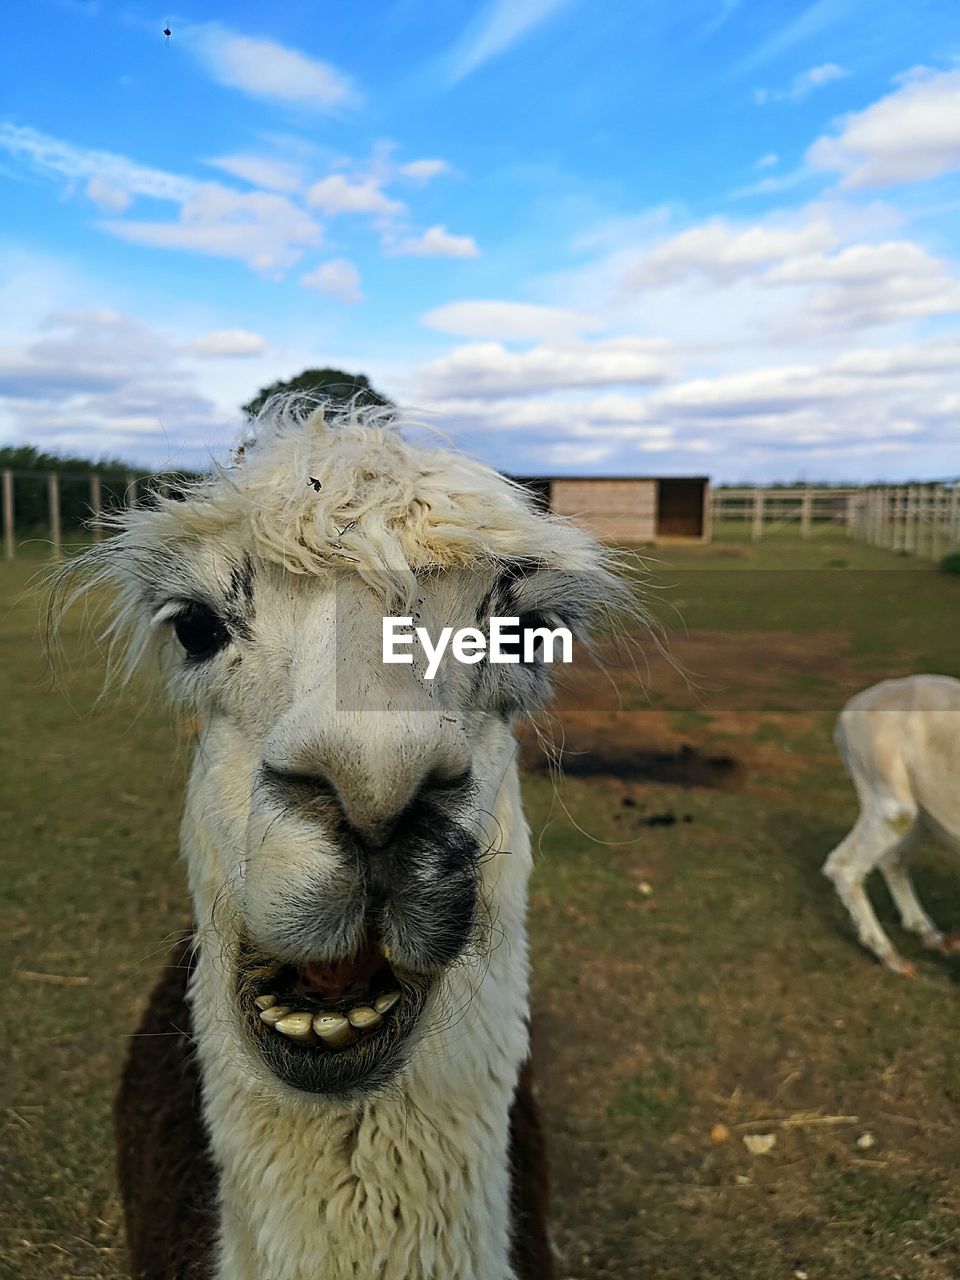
(26, 513)
(766, 511)
(916, 519)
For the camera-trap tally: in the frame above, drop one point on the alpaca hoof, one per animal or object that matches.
(949, 944)
(905, 968)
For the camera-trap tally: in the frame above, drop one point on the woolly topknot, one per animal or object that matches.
(320, 486)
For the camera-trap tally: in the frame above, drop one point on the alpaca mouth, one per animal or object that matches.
(334, 1027)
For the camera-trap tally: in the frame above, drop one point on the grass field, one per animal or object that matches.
(693, 969)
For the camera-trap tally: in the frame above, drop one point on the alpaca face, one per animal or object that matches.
(346, 861)
(351, 800)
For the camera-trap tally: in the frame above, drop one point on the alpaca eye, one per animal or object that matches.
(200, 631)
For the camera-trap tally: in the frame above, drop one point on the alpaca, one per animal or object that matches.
(900, 743)
(346, 1090)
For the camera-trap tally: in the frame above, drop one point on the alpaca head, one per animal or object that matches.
(342, 828)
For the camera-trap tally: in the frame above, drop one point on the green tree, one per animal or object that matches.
(332, 383)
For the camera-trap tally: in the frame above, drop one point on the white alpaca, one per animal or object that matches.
(356, 849)
(900, 742)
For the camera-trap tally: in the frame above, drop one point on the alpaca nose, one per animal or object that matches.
(374, 817)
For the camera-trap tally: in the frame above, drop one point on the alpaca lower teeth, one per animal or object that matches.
(384, 1003)
(265, 1002)
(334, 1030)
(274, 1013)
(296, 1026)
(364, 1018)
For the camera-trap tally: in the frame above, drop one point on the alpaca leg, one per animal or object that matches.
(912, 915)
(873, 838)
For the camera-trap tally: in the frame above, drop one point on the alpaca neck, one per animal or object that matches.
(411, 1184)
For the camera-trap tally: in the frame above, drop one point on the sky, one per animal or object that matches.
(673, 237)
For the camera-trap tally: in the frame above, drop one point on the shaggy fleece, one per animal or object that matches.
(168, 1180)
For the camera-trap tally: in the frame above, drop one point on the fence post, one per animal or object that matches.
(53, 500)
(96, 504)
(854, 514)
(886, 516)
(894, 517)
(955, 516)
(9, 540)
(906, 542)
(806, 512)
(756, 528)
(131, 490)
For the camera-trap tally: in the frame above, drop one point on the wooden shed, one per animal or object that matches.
(629, 508)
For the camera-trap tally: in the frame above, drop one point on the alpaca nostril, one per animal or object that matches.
(290, 784)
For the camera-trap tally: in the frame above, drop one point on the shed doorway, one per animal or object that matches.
(680, 508)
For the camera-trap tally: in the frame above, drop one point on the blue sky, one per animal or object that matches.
(710, 236)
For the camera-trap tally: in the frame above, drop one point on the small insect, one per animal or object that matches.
(315, 482)
(167, 32)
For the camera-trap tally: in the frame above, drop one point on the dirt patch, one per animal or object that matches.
(712, 670)
(720, 709)
(687, 766)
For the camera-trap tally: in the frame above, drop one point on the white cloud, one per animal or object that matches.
(508, 321)
(112, 198)
(721, 252)
(265, 69)
(436, 242)
(781, 182)
(266, 231)
(489, 369)
(262, 171)
(503, 24)
(802, 84)
(816, 77)
(806, 24)
(226, 344)
(338, 277)
(577, 455)
(872, 284)
(768, 161)
(106, 383)
(850, 411)
(52, 156)
(424, 170)
(908, 136)
(337, 194)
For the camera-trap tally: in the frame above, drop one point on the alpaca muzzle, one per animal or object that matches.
(337, 1028)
